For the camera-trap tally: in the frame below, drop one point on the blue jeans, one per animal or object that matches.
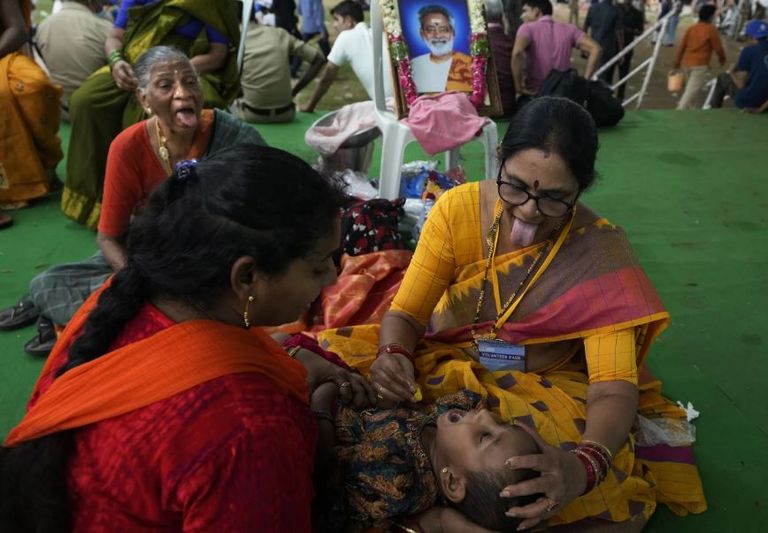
(669, 36)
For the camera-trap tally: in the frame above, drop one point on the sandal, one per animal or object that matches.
(41, 344)
(22, 314)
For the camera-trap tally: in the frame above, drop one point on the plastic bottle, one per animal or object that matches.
(429, 201)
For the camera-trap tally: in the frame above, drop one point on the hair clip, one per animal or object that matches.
(185, 169)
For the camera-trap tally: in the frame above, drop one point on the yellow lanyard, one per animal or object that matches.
(534, 272)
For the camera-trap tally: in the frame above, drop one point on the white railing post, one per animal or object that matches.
(661, 26)
(656, 48)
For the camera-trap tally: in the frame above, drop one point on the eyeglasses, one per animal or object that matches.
(515, 195)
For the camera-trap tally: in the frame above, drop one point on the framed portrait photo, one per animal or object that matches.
(437, 46)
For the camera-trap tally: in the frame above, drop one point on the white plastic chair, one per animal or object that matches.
(396, 135)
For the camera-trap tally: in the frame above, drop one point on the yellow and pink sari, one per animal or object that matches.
(593, 287)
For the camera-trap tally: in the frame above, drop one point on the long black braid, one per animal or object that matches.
(246, 200)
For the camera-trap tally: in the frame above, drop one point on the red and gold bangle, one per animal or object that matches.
(394, 348)
(591, 468)
(602, 448)
(603, 460)
(293, 351)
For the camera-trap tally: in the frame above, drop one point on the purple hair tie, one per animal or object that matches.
(185, 169)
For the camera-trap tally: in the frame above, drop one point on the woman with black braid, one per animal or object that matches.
(161, 407)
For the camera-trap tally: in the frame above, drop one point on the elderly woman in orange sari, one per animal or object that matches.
(29, 142)
(520, 292)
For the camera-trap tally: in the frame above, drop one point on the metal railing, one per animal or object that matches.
(648, 64)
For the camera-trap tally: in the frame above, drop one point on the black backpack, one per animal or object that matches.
(595, 96)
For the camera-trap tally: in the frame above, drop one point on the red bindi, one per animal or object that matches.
(535, 184)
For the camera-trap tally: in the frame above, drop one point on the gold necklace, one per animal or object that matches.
(492, 239)
(162, 148)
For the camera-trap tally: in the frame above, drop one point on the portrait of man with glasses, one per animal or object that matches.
(445, 66)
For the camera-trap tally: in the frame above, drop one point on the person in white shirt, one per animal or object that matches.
(354, 45)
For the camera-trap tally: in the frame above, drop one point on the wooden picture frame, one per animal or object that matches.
(440, 43)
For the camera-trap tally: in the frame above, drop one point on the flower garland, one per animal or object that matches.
(479, 48)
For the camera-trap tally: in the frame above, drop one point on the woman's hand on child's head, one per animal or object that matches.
(392, 378)
(562, 480)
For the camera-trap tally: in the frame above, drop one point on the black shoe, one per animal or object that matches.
(42, 343)
(20, 315)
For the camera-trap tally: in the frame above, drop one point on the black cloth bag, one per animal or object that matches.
(595, 96)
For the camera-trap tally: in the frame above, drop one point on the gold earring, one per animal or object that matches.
(148, 111)
(444, 471)
(245, 313)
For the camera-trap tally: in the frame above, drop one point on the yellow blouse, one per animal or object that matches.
(451, 240)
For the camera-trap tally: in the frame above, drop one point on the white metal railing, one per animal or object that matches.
(247, 16)
(648, 64)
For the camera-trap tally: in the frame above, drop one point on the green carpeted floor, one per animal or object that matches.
(691, 191)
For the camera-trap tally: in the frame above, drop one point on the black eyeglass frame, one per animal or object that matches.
(568, 206)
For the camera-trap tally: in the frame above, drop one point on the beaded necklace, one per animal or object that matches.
(555, 239)
(162, 149)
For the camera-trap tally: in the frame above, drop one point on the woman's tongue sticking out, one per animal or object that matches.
(186, 117)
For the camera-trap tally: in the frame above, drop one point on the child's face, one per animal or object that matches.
(476, 441)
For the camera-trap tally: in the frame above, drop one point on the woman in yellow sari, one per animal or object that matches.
(518, 291)
(29, 141)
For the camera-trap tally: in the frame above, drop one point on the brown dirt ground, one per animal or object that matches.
(657, 96)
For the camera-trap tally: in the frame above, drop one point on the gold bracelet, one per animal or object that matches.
(293, 351)
(601, 446)
(406, 529)
(600, 473)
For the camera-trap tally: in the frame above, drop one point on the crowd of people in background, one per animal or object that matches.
(86, 55)
(206, 236)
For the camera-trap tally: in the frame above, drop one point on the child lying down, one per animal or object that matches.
(417, 465)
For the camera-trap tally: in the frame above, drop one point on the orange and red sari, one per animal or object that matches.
(593, 289)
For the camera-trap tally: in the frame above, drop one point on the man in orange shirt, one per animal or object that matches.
(694, 53)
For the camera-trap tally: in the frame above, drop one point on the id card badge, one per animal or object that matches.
(501, 355)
